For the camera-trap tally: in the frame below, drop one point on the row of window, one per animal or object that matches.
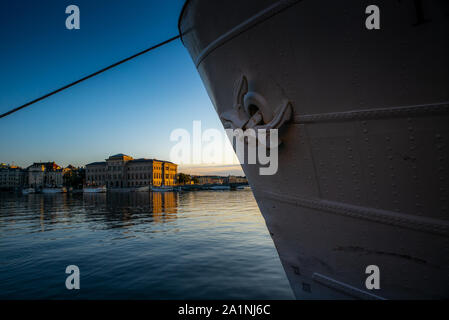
(130, 184)
(130, 176)
(120, 168)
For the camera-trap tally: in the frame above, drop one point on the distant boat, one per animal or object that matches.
(142, 189)
(54, 190)
(161, 189)
(101, 189)
(28, 191)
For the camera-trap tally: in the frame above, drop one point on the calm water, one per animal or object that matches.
(194, 245)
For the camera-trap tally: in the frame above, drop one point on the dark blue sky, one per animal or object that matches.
(131, 109)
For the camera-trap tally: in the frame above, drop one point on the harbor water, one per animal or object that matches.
(189, 245)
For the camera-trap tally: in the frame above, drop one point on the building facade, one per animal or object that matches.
(123, 171)
(11, 177)
(210, 179)
(221, 180)
(236, 179)
(45, 174)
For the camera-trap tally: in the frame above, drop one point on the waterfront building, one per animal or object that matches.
(45, 174)
(123, 171)
(11, 177)
(210, 179)
(235, 179)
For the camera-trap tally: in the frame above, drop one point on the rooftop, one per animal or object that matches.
(96, 163)
(49, 166)
(120, 156)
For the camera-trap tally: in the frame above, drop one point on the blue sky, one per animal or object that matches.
(131, 109)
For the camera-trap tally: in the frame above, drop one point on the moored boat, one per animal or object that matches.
(28, 190)
(362, 114)
(54, 190)
(99, 189)
(161, 188)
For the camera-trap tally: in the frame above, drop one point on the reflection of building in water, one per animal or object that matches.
(156, 202)
(52, 208)
(94, 199)
(164, 206)
(164, 202)
(122, 171)
(170, 202)
(132, 206)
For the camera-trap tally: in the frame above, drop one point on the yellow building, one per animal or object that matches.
(123, 171)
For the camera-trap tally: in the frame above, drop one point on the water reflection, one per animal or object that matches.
(194, 245)
(126, 207)
(112, 210)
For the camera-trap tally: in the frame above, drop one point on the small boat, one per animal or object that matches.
(94, 189)
(161, 189)
(28, 191)
(54, 190)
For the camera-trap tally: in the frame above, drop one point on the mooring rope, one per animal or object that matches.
(89, 76)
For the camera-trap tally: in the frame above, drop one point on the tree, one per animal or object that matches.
(183, 178)
(74, 178)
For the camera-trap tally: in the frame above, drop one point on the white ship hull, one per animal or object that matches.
(362, 177)
(94, 189)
